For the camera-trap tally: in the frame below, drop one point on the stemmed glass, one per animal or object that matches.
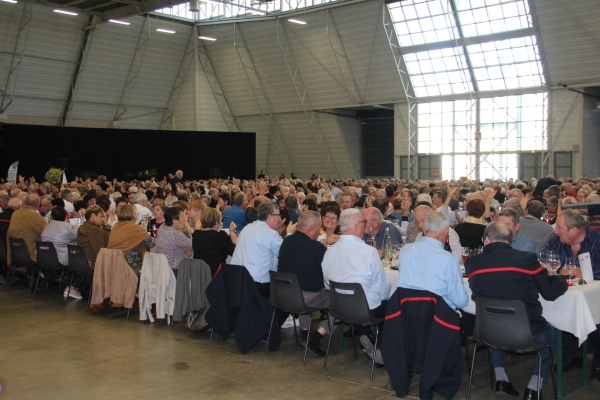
(466, 253)
(553, 261)
(570, 266)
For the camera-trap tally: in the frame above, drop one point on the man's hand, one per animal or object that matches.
(291, 228)
(525, 199)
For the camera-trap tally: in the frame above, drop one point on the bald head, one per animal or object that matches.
(258, 200)
(32, 201)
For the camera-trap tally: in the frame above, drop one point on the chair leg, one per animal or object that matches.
(489, 368)
(552, 376)
(296, 330)
(270, 328)
(37, 281)
(539, 381)
(354, 343)
(87, 310)
(471, 375)
(467, 354)
(305, 345)
(11, 280)
(373, 358)
(328, 344)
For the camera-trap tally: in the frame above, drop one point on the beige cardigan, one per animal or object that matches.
(113, 279)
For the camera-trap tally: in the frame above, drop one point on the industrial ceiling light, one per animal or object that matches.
(58, 10)
(297, 21)
(212, 1)
(194, 6)
(212, 39)
(118, 21)
(256, 12)
(164, 30)
(10, 1)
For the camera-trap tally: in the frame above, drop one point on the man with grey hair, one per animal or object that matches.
(375, 224)
(27, 224)
(503, 272)
(140, 201)
(4, 198)
(425, 265)
(532, 224)
(302, 254)
(351, 260)
(67, 196)
(520, 241)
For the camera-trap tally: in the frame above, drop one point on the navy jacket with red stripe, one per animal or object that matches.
(421, 335)
(505, 273)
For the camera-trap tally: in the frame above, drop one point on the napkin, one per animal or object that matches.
(585, 264)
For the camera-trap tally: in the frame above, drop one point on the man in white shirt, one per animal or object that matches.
(351, 260)
(67, 197)
(140, 201)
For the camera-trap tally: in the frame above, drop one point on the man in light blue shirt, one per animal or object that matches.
(351, 260)
(425, 265)
(520, 241)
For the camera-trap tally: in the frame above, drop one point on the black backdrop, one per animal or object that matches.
(121, 153)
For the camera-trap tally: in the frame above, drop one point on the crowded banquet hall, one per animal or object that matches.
(246, 199)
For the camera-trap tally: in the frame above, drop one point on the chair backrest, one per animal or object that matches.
(47, 257)
(502, 324)
(19, 252)
(349, 303)
(286, 293)
(78, 262)
(2, 249)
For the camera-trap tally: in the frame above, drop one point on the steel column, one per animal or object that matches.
(262, 100)
(8, 94)
(182, 72)
(134, 69)
(305, 101)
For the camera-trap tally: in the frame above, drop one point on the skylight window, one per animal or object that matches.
(423, 21)
(484, 17)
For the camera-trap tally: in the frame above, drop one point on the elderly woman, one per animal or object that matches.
(210, 243)
(330, 232)
(159, 216)
(472, 229)
(325, 197)
(310, 204)
(170, 241)
(130, 237)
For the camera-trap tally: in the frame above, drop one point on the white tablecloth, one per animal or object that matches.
(577, 311)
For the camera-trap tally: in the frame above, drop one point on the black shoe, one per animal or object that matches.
(595, 377)
(572, 363)
(531, 394)
(504, 388)
(315, 349)
(366, 354)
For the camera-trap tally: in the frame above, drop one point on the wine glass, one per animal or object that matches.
(395, 253)
(466, 253)
(553, 261)
(569, 266)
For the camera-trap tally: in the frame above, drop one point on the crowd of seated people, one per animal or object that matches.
(248, 221)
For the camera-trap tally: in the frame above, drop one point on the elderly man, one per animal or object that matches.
(532, 224)
(90, 236)
(67, 197)
(214, 197)
(426, 265)
(4, 198)
(520, 241)
(291, 203)
(572, 238)
(61, 232)
(525, 280)
(376, 226)
(236, 212)
(351, 260)
(176, 179)
(302, 255)
(45, 207)
(27, 224)
(453, 241)
(140, 201)
(13, 205)
(252, 208)
(257, 249)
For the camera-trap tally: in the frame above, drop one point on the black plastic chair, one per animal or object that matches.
(3, 255)
(502, 324)
(20, 262)
(287, 295)
(349, 305)
(47, 260)
(78, 264)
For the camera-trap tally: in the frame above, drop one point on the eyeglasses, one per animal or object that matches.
(276, 215)
(331, 217)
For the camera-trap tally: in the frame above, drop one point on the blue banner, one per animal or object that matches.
(12, 172)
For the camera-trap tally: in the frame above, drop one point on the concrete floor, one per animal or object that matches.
(50, 351)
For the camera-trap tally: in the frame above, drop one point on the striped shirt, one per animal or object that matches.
(591, 244)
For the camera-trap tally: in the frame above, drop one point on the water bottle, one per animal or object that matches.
(386, 248)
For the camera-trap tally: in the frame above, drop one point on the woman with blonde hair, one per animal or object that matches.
(210, 243)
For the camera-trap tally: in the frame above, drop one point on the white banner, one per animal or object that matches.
(12, 172)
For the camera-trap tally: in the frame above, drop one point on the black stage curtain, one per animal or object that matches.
(121, 153)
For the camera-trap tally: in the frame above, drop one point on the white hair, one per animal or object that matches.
(138, 198)
(346, 217)
(435, 222)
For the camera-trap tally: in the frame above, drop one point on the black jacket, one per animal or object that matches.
(422, 336)
(505, 273)
(302, 256)
(236, 307)
(5, 222)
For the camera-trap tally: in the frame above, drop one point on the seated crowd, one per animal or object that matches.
(325, 230)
